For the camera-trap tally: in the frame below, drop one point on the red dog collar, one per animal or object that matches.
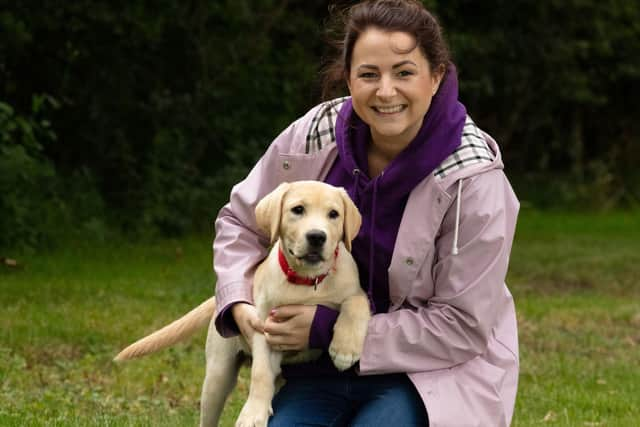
(292, 276)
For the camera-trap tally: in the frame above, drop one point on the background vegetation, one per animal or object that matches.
(138, 116)
(121, 121)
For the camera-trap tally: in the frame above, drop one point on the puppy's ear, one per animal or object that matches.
(352, 219)
(269, 211)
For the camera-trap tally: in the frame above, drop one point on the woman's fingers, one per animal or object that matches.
(256, 323)
(288, 327)
(247, 319)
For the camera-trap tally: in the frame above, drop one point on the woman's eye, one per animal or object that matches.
(405, 73)
(333, 214)
(367, 75)
(298, 210)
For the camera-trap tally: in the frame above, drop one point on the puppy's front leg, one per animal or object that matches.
(350, 331)
(264, 369)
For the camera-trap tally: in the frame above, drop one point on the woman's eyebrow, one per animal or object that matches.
(406, 62)
(394, 66)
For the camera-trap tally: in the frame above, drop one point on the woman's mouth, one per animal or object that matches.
(389, 109)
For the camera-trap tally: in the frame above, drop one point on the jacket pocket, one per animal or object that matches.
(480, 383)
(466, 395)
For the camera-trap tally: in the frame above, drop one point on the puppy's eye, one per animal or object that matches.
(333, 214)
(298, 210)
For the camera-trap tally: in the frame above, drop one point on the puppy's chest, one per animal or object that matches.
(285, 293)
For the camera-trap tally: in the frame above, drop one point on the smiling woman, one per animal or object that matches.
(438, 219)
(391, 85)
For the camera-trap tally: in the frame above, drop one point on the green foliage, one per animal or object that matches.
(38, 205)
(162, 106)
(28, 186)
(157, 98)
(555, 82)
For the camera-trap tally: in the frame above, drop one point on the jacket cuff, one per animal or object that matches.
(226, 297)
(321, 332)
(225, 323)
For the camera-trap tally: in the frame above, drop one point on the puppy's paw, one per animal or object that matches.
(348, 338)
(343, 361)
(254, 414)
(345, 349)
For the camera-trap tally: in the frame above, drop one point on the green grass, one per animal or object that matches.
(575, 278)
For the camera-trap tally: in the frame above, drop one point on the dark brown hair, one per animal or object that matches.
(408, 16)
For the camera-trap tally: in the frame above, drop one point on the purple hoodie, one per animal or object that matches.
(381, 200)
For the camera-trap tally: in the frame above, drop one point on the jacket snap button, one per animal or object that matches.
(409, 261)
(285, 165)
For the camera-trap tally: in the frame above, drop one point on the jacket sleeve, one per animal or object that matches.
(239, 246)
(321, 332)
(456, 323)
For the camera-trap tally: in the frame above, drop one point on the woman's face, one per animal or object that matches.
(391, 85)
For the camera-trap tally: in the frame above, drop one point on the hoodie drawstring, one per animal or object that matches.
(356, 185)
(454, 250)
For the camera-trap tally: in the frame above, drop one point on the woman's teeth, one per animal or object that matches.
(390, 109)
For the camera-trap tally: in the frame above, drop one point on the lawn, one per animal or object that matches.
(575, 278)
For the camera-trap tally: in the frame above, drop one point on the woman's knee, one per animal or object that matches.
(398, 405)
(310, 403)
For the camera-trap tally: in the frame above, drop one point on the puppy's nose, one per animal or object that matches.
(316, 238)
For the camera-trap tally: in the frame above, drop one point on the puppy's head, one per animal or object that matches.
(310, 218)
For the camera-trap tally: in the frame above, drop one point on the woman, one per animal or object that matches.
(438, 223)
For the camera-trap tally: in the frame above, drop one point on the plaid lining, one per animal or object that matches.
(473, 149)
(322, 130)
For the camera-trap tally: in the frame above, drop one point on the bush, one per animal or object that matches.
(162, 106)
(28, 183)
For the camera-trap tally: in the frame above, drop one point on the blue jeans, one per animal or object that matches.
(368, 401)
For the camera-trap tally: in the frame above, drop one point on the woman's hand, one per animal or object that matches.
(288, 327)
(246, 317)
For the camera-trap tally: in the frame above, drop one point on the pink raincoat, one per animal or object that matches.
(451, 325)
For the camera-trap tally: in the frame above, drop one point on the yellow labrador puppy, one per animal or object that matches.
(311, 225)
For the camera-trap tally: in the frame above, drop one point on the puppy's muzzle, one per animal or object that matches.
(315, 244)
(316, 239)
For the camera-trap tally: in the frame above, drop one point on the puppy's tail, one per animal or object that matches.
(174, 332)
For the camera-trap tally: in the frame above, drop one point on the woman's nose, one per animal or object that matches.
(386, 89)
